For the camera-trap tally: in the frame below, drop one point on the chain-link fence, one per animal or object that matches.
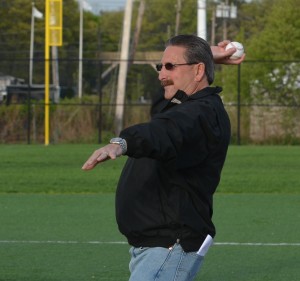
(262, 99)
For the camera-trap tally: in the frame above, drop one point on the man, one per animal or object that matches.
(164, 195)
(220, 57)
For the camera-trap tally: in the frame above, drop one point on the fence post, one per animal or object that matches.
(28, 113)
(100, 103)
(239, 106)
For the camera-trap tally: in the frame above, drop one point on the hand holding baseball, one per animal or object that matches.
(239, 50)
(223, 51)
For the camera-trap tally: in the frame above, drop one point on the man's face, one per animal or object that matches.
(180, 77)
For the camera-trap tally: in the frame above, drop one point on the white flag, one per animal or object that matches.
(36, 13)
(86, 6)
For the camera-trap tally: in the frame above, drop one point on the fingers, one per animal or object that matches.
(110, 151)
(229, 52)
(97, 157)
(223, 43)
(225, 58)
(236, 61)
(103, 156)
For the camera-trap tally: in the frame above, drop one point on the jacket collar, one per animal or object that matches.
(181, 97)
(206, 92)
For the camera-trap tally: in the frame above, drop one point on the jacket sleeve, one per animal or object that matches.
(171, 134)
(158, 139)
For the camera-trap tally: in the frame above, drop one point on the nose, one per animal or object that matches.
(162, 74)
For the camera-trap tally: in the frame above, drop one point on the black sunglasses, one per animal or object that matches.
(171, 66)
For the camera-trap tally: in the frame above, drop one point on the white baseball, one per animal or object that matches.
(239, 50)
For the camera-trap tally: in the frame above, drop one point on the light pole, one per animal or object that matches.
(201, 19)
(34, 14)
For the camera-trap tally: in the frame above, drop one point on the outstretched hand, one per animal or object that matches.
(110, 151)
(221, 56)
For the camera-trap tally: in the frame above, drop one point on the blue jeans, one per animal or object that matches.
(153, 264)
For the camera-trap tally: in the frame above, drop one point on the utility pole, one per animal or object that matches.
(124, 59)
(138, 29)
(178, 16)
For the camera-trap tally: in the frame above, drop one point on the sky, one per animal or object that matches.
(104, 5)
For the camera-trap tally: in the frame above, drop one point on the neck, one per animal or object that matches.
(197, 87)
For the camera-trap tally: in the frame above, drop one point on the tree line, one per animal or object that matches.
(269, 29)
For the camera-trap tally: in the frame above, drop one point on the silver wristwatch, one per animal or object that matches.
(120, 142)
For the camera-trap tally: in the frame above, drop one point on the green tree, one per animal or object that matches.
(277, 36)
(278, 44)
(15, 28)
(159, 22)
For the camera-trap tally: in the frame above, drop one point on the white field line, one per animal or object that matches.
(255, 244)
(59, 242)
(125, 243)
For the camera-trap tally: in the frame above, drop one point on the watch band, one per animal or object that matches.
(121, 142)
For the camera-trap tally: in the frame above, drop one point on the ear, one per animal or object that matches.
(200, 72)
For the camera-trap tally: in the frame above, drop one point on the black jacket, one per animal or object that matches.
(166, 187)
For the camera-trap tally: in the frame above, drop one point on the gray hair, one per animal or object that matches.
(197, 50)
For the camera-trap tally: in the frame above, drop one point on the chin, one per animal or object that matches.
(169, 96)
(169, 93)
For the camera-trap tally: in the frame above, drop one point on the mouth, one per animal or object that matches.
(166, 83)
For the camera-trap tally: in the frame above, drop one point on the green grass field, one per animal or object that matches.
(57, 222)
